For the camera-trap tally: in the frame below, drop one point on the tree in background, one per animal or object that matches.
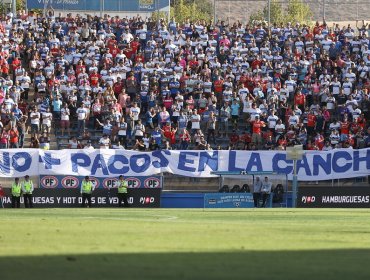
(21, 5)
(296, 11)
(193, 10)
(299, 12)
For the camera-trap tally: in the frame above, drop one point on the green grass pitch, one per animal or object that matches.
(178, 244)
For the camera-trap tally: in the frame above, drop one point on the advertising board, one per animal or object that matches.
(334, 197)
(64, 198)
(228, 200)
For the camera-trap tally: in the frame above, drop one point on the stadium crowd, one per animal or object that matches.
(142, 84)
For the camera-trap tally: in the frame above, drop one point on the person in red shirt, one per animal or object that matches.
(167, 130)
(319, 141)
(79, 67)
(311, 123)
(218, 86)
(128, 51)
(135, 45)
(194, 64)
(234, 139)
(15, 65)
(172, 137)
(13, 137)
(300, 100)
(245, 140)
(344, 130)
(256, 64)
(112, 42)
(117, 87)
(55, 50)
(94, 79)
(139, 57)
(114, 51)
(256, 129)
(185, 139)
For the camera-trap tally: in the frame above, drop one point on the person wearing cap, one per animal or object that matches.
(88, 146)
(27, 190)
(122, 186)
(87, 187)
(265, 190)
(16, 193)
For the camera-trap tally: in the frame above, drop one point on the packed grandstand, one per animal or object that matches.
(135, 83)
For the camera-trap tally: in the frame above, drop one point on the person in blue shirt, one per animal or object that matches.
(235, 106)
(17, 112)
(57, 106)
(157, 135)
(174, 86)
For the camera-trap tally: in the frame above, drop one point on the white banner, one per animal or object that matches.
(315, 165)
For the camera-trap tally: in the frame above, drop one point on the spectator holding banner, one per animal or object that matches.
(27, 190)
(265, 190)
(16, 193)
(122, 186)
(87, 187)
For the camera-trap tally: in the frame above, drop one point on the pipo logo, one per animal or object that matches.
(147, 200)
(308, 199)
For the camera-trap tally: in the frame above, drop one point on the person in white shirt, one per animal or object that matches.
(81, 117)
(265, 190)
(64, 119)
(279, 129)
(195, 120)
(104, 142)
(88, 146)
(272, 120)
(35, 122)
(293, 119)
(135, 112)
(46, 120)
(139, 130)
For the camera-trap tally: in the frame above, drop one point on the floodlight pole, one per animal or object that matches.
(269, 13)
(214, 12)
(295, 153)
(101, 8)
(14, 8)
(295, 184)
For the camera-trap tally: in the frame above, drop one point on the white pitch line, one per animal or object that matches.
(145, 219)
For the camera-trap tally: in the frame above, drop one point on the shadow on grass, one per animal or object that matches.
(313, 265)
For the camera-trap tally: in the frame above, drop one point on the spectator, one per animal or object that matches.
(278, 75)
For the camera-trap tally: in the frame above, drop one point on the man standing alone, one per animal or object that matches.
(122, 186)
(27, 190)
(87, 188)
(266, 190)
(257, 185)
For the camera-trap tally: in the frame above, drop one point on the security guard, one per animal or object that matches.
(122, 186)
(87, 187)
(27, 190)
(16, 193)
